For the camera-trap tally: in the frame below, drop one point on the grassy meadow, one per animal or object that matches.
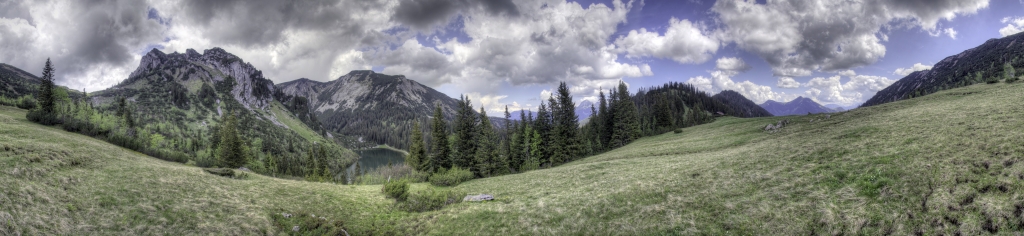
(946, 163)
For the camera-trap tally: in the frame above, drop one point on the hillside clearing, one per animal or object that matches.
(945, 163)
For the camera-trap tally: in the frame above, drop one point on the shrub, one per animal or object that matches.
(309, 224)
(678, 131)
(431, 199)
(399, 190)
(27, 102)
(451, 177)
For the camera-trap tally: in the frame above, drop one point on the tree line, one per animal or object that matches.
(553, 136)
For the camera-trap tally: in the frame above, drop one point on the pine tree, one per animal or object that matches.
(568, 145)
(230, 150)
(485, 160)
(663, 112)
(465, 135)
(543, 127)
(627, 118)
(600, 123)
(47, 101)
(610, 120)
(417, 154)
(439, 151)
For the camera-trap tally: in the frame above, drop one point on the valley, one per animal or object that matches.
(892, 168)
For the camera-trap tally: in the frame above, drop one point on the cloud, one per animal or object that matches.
(951, 32)
(683, 42)
(912, 69)
(82, 40)
(832, 91)
(1014, 26)
(787, 82)
(797, 37)
(721, 80)
(731, 64)
(427, 14)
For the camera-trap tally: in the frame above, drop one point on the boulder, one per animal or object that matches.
(478, 198)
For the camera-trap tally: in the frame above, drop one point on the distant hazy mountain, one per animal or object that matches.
(740, 104)
(984, 62)
(799, 106)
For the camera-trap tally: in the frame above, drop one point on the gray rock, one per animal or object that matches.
(244, 169)
(478, 198)
(295, 228)
(286, 215)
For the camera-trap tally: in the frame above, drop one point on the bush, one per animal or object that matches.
(399, 189)
(27, 102)
(452, 177)
(431, 199)
(678, 131)
(309, 224)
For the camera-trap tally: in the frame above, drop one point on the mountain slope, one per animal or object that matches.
(946, 159)
(184, 97)
(975, 65)
(799, 106)
(740, 104)
(15, 82)
(376, 107)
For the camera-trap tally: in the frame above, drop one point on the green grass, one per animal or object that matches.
(293, 123)
(946, 163)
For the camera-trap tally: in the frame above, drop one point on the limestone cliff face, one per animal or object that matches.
(250, 88)
(364, 90)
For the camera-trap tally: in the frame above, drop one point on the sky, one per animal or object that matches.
(515, 52)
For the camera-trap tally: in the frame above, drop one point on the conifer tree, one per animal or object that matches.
(542, 125)
(439, 150)
(568, 145)
(417, 154)
(486, 150)
(627, 118)
(663, 112)
(230, 150)
(600, 123)
(47, 101)
(465, 135)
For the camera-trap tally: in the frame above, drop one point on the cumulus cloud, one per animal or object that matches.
(731, 64)
(83, 41)
(797, 37)
(951, 32)
(912, 69)
(427, 14)
(832, 91)
(787, 82)
(721, 80)
(1014, 26)
(683, 42)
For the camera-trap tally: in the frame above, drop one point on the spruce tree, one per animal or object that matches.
(663, 112)
(439, 149)
(569, 146)
(600, 123)
(417, 153)
(627, 118)
(485, 158)
(542, 125)
(610, 120)
(515, 145)
(47, 101)
(230, 150)
(465, 135)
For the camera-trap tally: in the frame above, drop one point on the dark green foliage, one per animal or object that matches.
(626, 127)
(231, 149)
(430, 199)
(417, 158)
(486, 161)
(678, 131)
(27, 102)
(439, 151)
(207, 96)
(465, 135)
(46, 98)
(566, 143)
(1009, 73)
(543, 127)
(397, 189)
(451, 177)
(741, 106)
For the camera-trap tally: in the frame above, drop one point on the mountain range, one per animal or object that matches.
(742, 106)
(798, 106)
(983, 63)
